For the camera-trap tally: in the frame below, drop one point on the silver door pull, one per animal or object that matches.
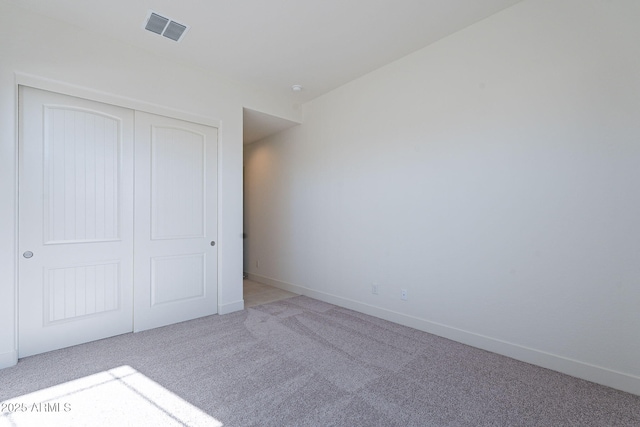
(27, 254)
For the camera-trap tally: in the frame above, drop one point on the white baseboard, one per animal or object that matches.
(618, 380)
(231, 307)
(8, 359)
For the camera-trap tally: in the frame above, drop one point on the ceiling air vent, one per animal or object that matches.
(164, 26)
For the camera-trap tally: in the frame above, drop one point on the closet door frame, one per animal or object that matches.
(28, 80)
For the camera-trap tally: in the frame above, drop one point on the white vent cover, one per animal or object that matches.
(164, 26)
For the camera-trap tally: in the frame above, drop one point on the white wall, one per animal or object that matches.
(494, 175)
(52, 50)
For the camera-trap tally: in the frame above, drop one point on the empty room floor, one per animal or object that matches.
(255, 293)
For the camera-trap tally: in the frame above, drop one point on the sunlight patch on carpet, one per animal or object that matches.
(119, 396)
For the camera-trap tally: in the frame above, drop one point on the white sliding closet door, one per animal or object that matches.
(102, 255)
(75, 221)
(176, 221)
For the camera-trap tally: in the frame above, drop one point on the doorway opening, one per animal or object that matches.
(257, 127)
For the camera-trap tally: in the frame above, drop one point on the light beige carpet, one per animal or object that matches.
(299, 362)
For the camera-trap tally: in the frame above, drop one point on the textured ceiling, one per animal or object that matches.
(273, 44)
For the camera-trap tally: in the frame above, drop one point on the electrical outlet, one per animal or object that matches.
(403, 294)
(374, 288)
